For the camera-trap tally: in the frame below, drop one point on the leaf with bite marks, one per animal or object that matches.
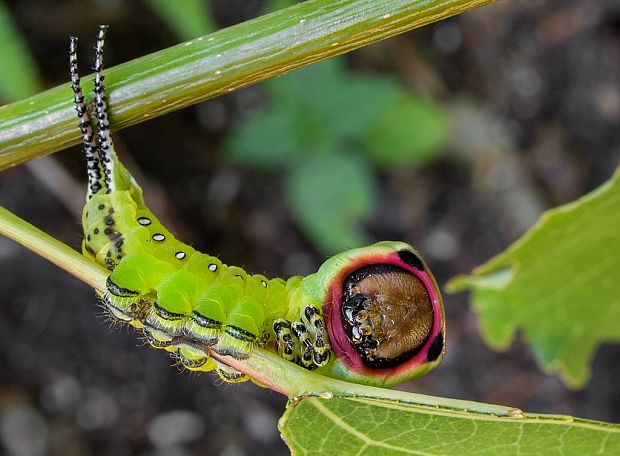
(559, 284)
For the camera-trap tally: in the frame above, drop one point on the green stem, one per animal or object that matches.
(52, 249)
(295, 382)
(224, 61)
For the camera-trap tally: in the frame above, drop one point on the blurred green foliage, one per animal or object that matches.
(328, 193)
(19, 77)
(411, 131)
(188, 19)
(327, 127)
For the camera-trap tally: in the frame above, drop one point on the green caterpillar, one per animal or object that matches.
(372, 315)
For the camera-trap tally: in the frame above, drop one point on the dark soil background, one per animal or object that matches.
(533, 90)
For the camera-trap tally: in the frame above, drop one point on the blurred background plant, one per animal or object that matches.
(528, 120)
(19, 77)
(332, 126)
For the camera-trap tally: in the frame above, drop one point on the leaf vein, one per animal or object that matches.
(338, 421)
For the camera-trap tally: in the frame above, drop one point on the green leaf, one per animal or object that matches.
(410, 131)
(370, 426)
(187, 18)
(268, 138)
(19, 75)
(342, 104)
(329, 194)
(300, 86)
(351, 109)
(558, 284)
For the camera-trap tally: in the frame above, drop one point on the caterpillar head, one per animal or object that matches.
(383, 312)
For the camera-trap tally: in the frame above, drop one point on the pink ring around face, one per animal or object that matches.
(344, 349)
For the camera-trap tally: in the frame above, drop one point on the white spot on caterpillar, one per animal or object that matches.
(144, 221)
(263, 283)
(179, 255)
(213, 267)
(158, 237)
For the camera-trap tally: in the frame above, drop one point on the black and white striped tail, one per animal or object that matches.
(97, 150)
(93, 168)
(103, 132)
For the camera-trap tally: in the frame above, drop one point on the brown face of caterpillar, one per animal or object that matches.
(387, 314)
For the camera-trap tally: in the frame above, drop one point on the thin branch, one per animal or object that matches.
(206, 67)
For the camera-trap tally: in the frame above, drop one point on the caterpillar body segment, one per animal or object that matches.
(372, 315)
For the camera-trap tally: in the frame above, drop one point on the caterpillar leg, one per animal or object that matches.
(192, 355)
(321, 348)
(285, 344)
(156, 337)
(305, 341)
(229, 374)
(301, 333)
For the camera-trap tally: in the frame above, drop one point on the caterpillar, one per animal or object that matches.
(371, 315)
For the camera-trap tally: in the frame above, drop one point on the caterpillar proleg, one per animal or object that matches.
(371, 315)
